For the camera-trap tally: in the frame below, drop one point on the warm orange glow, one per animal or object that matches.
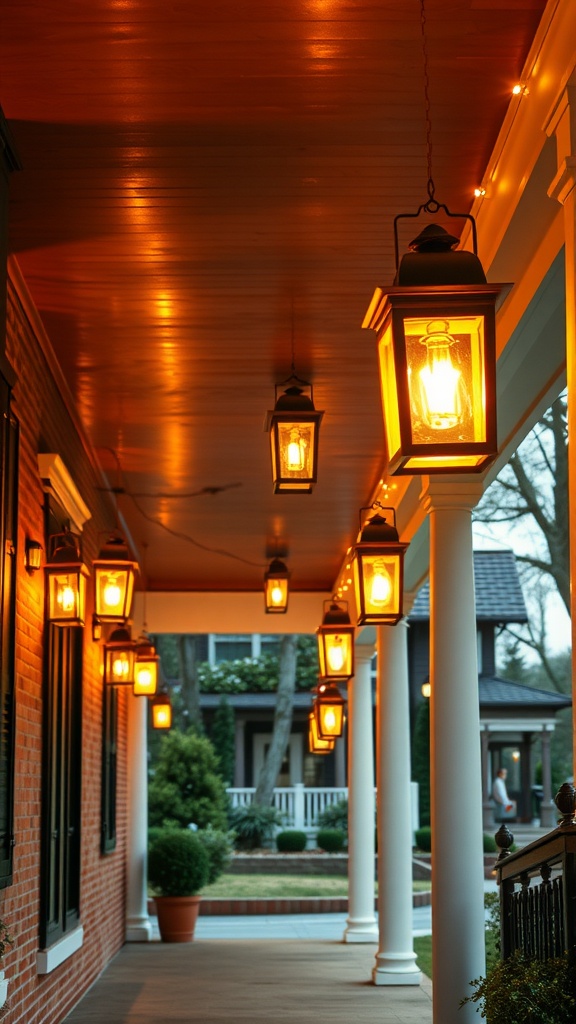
(161, 712)
(336, 644)
(316, 744)
(114, 575)
(329, 711)
(145, 679)
(67, 595)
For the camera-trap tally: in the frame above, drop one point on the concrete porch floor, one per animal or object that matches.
(279, 982)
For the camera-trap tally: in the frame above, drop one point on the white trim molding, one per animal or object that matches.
(48, 960)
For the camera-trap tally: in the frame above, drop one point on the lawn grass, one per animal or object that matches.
(423, 950)
(276, 886)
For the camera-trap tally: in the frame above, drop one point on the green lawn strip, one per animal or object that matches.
(278, 886)
(423, 950)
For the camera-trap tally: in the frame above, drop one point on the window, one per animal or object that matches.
(8, 534)
(109, 753)
(60, 881)
(229, 647)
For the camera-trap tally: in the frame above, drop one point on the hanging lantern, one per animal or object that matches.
(294, 425)
(436, 347)
(119, 658)
(317, 745)
(276, 587)
(329, 711)
(114, 575)
(336, 643)
(66, 576)
(146, 669)
(378, 573)
(161, 710)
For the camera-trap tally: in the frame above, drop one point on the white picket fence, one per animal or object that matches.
(300, 805)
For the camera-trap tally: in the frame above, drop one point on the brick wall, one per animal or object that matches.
(46, 425)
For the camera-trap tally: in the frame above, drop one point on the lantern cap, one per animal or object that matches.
(377, 531)
(294, 400)
(116, 550)
(277, 568)
(336, 614)
(432, 261)
(65, 548)
(122, 635)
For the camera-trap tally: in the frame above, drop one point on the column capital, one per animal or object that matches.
(364, 652)
(449, 493)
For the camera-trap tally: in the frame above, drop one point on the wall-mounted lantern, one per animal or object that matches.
(119, 658)
(146, 668)
(161, 710)
(66, 576)
(317, 745)
(329, 711)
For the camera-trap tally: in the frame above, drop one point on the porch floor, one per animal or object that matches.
(279, 982)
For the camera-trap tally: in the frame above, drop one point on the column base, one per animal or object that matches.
(139, 929)
(361, 931)
(396, 969)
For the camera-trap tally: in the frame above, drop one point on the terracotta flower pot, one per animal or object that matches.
(177, 917)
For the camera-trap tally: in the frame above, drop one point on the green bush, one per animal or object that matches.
(335, 816)
(489, 843)
(218, 846)
(254, 826)
(178, 863)
(185, 786)
(331, 840)
(424, 838)
(291, 841)
(520, 990)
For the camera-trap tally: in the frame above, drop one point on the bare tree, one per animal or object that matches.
(533, 633)
(532, 491)
(282, 722)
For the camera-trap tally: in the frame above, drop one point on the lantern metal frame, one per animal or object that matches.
(276, 587)
(294, 422)
(161, 706)
(119, 658)
(114, 568)
(379, 571)
(436, 330)
(66, 576)
(329, 706)
(336, 629)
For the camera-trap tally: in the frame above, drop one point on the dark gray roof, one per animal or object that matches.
(499, 595)
(500, 693)
(254, 701)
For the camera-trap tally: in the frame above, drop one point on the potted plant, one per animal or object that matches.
(6, 943)
(178, 868)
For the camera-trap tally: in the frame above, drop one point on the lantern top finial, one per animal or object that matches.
(433, 238)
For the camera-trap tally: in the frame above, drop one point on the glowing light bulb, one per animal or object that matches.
(336, 654)
(329, 720)
(144, 677)
(296, 452)
(381, 585)
(440, 380)
(276, 594)
(162, 717)
(66, 597)
(112, 593)
(120, 666)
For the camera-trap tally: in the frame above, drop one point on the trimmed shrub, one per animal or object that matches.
(489, 843)
(424, 838)
(291, 841)
(521, 990)
(178, 864)
(219, 847)
(254, 826)
(335, 816)
(331, 840)
(185, 785)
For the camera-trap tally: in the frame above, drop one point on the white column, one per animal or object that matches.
(395, 959)
(361, 924)
(458, 950)
(562, 125)
(138, 926)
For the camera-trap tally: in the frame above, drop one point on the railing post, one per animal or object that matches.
(504, 840)
(299, 806)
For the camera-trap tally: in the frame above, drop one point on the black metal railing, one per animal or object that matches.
(538, 888)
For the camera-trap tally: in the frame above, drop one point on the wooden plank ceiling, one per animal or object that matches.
(206, 182)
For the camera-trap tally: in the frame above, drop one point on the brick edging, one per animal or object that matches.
(284, 905)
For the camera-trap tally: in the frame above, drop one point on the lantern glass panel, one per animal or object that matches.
(329, 717)
(335, 652)
(316, 744)
(389, 383)
(114, 589)
(146, 677)
(294, 452)
(67, 595)
(120, 666)
(276, 594)
(378, 584)
(446, 379)
(162, 714)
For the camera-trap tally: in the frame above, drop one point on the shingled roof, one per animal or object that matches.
(503, 693)
(499, 595)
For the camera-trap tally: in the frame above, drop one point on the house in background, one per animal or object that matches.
(517, 721)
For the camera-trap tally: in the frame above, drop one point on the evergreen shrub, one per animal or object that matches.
(291, 841)
(331, 840)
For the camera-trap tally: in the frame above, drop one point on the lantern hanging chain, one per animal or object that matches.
(432, 205)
